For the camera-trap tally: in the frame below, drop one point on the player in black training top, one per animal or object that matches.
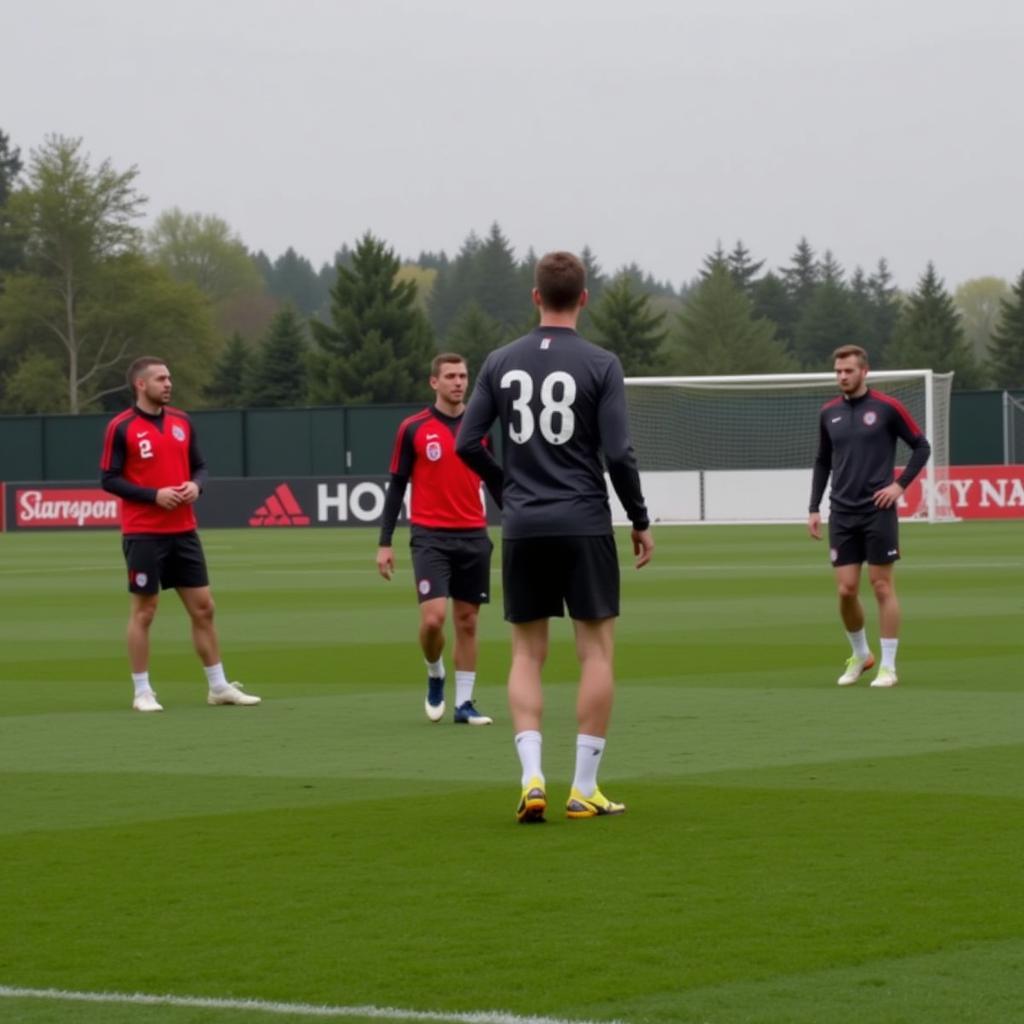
(858, 432)
(561, 403)
(451, 552)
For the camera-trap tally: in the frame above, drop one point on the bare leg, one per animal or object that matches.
(432, 615)
(140, 618)
(198, 602)
(884, 586)
(851, 611)
(464, 616)
(595, 648)
(529, 652)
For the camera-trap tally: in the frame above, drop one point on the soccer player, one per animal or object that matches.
(152, 462)
(451, 551)
(561, 403)
(857, 446)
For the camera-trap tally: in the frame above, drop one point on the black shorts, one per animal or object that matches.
(174, 560)
(455, 565)
(541, 574)
(872, 537)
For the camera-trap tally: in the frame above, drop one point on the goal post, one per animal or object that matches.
(741, 448)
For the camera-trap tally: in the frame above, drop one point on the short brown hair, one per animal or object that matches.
(561, 279)
(140, 364)
(444, 357)
(851, 350)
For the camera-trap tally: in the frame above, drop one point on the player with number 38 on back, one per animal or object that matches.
(561, 404)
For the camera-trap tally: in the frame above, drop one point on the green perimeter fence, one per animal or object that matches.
(342, 440)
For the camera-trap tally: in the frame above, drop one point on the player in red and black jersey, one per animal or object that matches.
(857, 448)
(451, 551)
(151, 460)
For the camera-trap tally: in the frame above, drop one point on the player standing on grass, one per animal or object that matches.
(857, 446)
(562, 405)
(451, 551)
(152, 462)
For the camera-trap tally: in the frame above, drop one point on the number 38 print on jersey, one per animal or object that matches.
(561, 404)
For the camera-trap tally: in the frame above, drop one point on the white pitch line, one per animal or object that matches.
(281, 1009)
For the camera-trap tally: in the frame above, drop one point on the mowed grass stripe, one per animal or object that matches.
(792, 852)
(745, 884)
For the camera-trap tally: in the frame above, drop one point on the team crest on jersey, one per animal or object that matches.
(424, 587)
(179, 434)
(433, 450)
(870, 418)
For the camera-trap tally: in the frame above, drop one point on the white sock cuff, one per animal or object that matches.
(590, 742)
(436, 668)
(215, 676)
(528, 734)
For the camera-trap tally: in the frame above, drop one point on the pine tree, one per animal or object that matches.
(802, 275)
(228, 384)
(10, 168)
(626, 325)
(279, 376)
(474, 335)
(379, 345)
(455, 285)
(719, 333)
(294, 280)
(714, 259)
(829, 319)
(497, 286)
(884, 312)
(929, 335)
(743, 269)
(1006, 350)
(771, 301)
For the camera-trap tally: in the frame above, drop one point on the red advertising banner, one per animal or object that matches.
(973, 492)
(61, 507)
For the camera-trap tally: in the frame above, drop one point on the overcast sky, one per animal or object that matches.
(647, 129)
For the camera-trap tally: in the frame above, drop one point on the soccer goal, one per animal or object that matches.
(741, 449)
(1013, 430)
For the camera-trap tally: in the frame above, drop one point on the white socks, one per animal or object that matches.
(215, 676)
(889, 653)
(588, 759)
(464, 682)
(435, 668)
(859, 644)
(140, 680)
(528, 745)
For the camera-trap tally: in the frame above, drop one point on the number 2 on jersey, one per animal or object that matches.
(556, 421)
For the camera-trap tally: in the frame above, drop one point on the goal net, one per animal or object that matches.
(1013, 429)
(735, 449)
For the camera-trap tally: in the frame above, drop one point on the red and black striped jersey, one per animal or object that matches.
(857, 446)
(143, 453)
(446, 493)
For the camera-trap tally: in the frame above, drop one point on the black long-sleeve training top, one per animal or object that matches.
(857, 445)
(561, 402)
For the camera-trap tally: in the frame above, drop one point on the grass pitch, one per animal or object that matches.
(793, 852)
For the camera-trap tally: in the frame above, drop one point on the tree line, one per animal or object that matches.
(84, 290)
